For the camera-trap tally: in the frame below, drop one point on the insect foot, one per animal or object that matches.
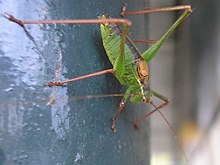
(50, 84)
(13, 19)
(123, 9)
(113, 126)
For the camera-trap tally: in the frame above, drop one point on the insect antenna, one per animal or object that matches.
(172, 131)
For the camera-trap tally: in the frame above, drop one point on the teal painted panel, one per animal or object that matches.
(41, 125)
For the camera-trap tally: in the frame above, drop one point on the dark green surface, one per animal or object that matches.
(70, 131)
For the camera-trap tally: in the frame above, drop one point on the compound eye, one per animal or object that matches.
(142, 69)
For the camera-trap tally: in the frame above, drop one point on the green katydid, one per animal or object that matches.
(129, 66)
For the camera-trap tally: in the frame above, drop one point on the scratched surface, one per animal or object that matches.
(41, 125)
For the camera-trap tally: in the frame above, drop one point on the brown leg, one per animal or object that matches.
(50, 84)
(122, 104)
(163, 9)
(145, 41)
(124, 22)
(173, 8)
(137, 121)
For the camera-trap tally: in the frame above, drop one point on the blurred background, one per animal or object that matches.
(41, 125)
(187, 70)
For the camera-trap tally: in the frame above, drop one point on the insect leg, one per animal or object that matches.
(142, 41)
(124, 22)
(60, 83)
(118, 67)
(121, 105)
(145, 41)
(155, 10)
(150, 53)
(159, 96)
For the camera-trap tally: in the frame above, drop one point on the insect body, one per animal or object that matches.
(129, 66)
(134, 70)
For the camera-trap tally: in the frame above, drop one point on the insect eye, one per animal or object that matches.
(145, 100)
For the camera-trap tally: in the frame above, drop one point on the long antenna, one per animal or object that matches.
(173, 132)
